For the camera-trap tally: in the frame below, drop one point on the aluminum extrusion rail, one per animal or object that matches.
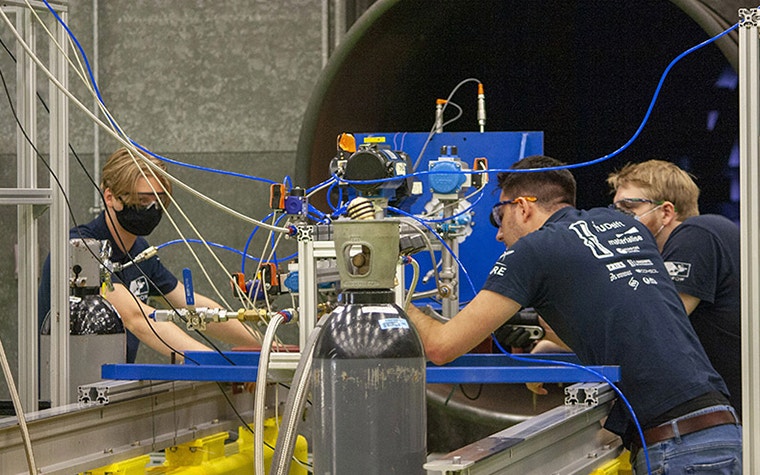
(565, 440)
(75, 438)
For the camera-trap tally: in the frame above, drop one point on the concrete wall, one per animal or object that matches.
(221, 84)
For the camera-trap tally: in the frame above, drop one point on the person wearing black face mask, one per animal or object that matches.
(138, 220)
(135, 198)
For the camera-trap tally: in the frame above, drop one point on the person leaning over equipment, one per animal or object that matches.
(701, 253)
(573, 267)
(131, 193)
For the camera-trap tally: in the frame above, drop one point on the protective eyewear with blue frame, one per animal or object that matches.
(629, 205)
(496, 213)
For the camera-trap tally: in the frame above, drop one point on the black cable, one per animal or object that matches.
(76, 225)
(248, 428)
(472, 398)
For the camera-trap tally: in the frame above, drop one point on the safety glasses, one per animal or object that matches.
(630, 205)
(496, 211)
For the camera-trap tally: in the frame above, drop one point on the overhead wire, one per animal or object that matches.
(601, 158)
(66, 200)
(283, 230)
(65, 91)
(116, 127)
(96, 91)
(118, 137)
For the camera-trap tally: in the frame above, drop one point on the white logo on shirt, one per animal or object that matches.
(139, 288)
(590, 240)
(679, 271)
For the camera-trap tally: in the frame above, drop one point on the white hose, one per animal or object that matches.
(19, 410)
(261, 389)
(413, 285)
(286, 437)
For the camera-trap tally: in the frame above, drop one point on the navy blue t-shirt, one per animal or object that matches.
(598, 280)
(162, 280)
(702, 255)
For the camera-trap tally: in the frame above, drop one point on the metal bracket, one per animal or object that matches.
(305, 233)
(749, 17)
(587, 394)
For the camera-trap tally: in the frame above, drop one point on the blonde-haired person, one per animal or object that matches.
(701, 254)
(131, 193)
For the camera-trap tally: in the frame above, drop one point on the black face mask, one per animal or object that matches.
(139, 221)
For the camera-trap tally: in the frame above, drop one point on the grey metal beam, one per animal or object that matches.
(30, 196)
(749, 178)
(565, 440)
(75, 438)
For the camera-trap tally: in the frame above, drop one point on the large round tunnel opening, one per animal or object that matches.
(583, 72)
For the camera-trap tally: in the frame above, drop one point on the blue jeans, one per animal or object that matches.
(715, 450)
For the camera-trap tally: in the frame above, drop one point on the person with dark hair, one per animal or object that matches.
(701, 253)
(131, 192)
(598, 280)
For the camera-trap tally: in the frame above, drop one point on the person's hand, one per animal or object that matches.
(537, 388)
(520, 330)
(512, 335)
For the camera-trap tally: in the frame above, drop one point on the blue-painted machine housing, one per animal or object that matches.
(480, 249)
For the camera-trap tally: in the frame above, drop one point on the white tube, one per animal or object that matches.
(261, 389)
(19, 410)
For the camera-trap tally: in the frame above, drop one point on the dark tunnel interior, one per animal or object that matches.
(583, 72)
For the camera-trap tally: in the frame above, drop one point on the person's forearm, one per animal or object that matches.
(233, 332)
(164, 337)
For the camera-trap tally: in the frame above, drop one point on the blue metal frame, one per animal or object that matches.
(472, 368)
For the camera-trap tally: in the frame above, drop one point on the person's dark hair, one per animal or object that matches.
(552, 187)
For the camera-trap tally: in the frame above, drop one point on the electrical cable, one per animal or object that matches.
(471, 398)
(432, 130)
(456, 117)
(429, 245)
(443, 242)
(596, 374)
(71, 211)
(213, 244)
(126, 143)
(247, 426)
(321, 186)
(96, 90)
